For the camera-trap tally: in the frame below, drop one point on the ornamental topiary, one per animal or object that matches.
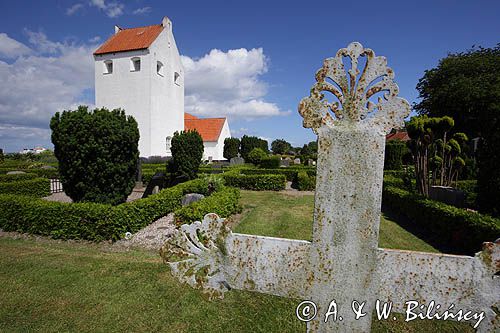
(97, 153)
(187, 151)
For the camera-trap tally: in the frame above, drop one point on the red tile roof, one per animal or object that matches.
(130, 39)
(209, 128)
(401, 135)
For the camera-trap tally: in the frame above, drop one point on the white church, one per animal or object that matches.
(140, 71)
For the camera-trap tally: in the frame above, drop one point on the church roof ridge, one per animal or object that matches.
(130, 39)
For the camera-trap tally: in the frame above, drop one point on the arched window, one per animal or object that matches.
(159, 68)
(108, 67)
(135, 64)
(177, 78)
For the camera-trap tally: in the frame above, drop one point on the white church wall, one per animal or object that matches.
(155, 101)
(126, 89)
(167, 94)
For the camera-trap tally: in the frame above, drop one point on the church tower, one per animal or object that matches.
(140, 71)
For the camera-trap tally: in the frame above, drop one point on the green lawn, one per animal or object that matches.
(280, 215)
(51, 286)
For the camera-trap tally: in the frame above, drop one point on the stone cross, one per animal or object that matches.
(343, 261)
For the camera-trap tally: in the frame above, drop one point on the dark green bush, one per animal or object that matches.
(458, 230)
(38, 187)
(97, 153)
(224, 203)
(45, 173)
(17, 177)
(91, 221)
(248, 143)
(256, 156)
(470, 189)
(290, 173)
(255, 182)
(304, 182)
(187, 151)
(231, 148)
(394, 152)
(272, 162)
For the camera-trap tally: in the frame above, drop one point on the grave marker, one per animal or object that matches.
(343, 261)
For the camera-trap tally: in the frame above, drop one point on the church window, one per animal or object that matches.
(108, 66)
(177, 78)
(135, 64)
(159, 68)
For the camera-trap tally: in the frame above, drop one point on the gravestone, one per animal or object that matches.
(155, 185)
(15, 172)
(285, 162)
(342, 266)
(296, 161)
(190, 198)
(237, 161)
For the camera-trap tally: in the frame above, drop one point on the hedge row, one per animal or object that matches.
(37, 187)
(90, 221)
(263, 182)
(290, 174)
(224, 203)
(17, 177)
(470, 189)
(458, 230)
(304, 182)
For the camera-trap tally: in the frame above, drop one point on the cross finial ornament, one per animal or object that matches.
(343, 261)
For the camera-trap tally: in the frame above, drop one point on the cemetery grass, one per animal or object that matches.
(53, 286)
(291, 217)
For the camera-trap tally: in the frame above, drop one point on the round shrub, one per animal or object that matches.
(231, 148)
(97, 153)
(187, 151)
(256, 156)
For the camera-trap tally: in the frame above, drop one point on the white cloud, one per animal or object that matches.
(111, 9)
(142, 11)
(228, 84)
(11, 48)
(73, 9)
(95, 39)
(54, 77)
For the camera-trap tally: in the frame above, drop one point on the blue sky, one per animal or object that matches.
(271, 48)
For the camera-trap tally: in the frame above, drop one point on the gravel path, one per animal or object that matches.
(151, 237)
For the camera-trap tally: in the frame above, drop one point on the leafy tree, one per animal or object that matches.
(433, 150)
(488, 180)
(280, 146)
(187, 152)
(464, 86)
(97, 153)
(231, 147)
(256, 156)
(248, 143)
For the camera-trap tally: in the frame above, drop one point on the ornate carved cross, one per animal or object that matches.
(343, 261)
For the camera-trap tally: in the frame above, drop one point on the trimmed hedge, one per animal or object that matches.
(304, 182)
(91, 221)
(271, 162)
(224, 203)
(458, 230)
(17, 177)
(37, 187)
(263, 182)
(470, 189)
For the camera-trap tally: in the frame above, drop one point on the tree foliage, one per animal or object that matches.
(437, 156)
(488, 180)
(187, 152)
(256, 156)
(231, 148)
(394, 152)
(248, 143)
(280, 146)
(97, 153)
(464, 86)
